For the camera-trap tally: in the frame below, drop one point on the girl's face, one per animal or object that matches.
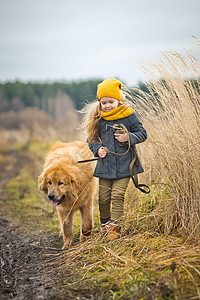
(108, 104)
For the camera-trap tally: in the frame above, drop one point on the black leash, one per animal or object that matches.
(87, 160)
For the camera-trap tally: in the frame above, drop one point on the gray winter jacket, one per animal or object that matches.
(116, 167)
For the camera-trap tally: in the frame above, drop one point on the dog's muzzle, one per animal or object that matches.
(54, 201)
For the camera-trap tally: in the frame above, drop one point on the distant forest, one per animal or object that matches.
(18, 95)
(48, 96)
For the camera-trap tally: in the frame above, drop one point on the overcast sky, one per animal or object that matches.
(83, 39)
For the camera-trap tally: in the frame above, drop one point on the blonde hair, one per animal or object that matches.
(92, 116)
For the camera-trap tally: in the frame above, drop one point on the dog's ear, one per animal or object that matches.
(42, 183)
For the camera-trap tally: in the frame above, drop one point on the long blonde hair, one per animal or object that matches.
(92, 116)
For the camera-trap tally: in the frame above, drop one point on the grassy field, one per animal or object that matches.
(145, 263)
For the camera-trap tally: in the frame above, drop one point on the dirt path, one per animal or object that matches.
(24, 271)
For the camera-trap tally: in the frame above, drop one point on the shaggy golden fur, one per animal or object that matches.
(70, 186)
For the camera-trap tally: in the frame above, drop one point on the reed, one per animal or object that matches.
(171, 156)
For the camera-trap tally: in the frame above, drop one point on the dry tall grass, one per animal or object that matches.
(171, 115)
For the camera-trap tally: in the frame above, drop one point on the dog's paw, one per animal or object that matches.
(67, 243)
(84, 238)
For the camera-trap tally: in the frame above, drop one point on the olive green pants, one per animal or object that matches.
(111, 198)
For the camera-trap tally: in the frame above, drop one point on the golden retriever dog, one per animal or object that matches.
(70, 186)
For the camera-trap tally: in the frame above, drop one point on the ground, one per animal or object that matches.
(140, 265)
(28, 251)
(24, 272)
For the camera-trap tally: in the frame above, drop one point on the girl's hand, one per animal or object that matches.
(101, 152)
(122, 138)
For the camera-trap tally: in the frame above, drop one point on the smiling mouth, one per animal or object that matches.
(56, 203)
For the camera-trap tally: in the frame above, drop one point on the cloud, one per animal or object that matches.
(72, 39)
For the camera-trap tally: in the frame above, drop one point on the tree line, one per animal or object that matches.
(47, 96)
(18, 95)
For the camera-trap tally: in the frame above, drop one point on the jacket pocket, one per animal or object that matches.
(123, 163)
(102, 166)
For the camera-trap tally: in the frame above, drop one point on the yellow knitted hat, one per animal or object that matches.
(109, 88)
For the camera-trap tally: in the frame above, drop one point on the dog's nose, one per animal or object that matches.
(51, 196)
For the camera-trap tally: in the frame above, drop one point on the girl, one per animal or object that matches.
(112, 170)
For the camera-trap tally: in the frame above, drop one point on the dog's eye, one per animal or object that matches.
(49, 182)
(60, 182)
